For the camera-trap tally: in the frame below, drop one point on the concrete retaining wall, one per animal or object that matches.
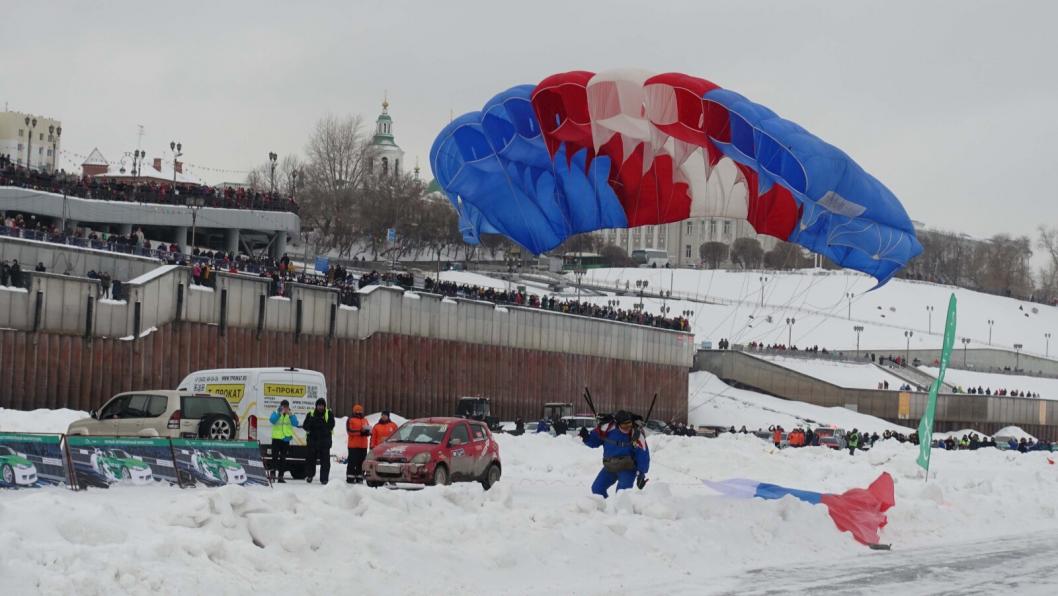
(954, 411)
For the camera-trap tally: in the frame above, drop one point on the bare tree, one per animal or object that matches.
(333, 174)
(1048, 243)
(747, 252)
(615, 256)
(785, 255)
(713, 254)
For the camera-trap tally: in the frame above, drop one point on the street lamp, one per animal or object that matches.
(31, 123)
(789, 332)
(1017, 356)
(579, 274)
(194, 204)
(965, 342)
(1047, 336)
(687, 313)
(858, 329)
(272, 157)
(990, 323)
(178, 150)
(293, 183)
(850, 296)
(763, 280)
(907, 348)
(54, 132)
(929, 312)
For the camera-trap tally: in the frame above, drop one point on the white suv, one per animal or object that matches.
(161, 413)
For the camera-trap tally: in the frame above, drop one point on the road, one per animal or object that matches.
(1022, 565)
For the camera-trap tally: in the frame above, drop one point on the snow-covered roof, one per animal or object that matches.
(95, 158)
(165, 174)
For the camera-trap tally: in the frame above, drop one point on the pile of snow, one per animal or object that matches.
(853, 375)
(1014, 432)
(38, 421)
(1045, 387)
(539, 517)
(711, 402)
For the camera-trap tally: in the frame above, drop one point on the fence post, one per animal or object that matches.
(260, 314)
(179, 303)
(333, 323)
(136, 321)
(297, 323)
(38, 310)
(88, 318)
(223, 312)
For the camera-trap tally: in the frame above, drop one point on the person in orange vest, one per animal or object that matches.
(382, 429)
(359, 432)
(777, 436)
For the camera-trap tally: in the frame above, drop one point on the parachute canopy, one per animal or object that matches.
(582, 151)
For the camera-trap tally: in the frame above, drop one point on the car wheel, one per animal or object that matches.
(217, 427)
(9, 475)
(125, 474)
(492, 476)
(374, 483)
(440, 475)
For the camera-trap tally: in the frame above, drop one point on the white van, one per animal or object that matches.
(255, 393)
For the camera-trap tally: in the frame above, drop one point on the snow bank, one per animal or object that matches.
(676, 536)
(1046, 388)
(38, 421)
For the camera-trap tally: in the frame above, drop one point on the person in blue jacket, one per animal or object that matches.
(625, 458)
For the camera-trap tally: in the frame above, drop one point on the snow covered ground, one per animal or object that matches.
(818, 301)
(539, 526)
(843, 374)
(711, 402)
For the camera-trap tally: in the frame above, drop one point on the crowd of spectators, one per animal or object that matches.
(145, 191)
(551, 303)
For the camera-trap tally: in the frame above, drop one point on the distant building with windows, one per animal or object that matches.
(682, 240)
(384, 156)
(31, 140)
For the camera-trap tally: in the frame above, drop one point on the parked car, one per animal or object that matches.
(15, 468)
(657, 426)
(255, 393)
(219, 467)
(436, 451)
(831, 437)
(161, 413)
(117, 464)
(575, 423)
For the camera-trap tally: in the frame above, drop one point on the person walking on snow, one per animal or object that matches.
(381, 431)
(283, 424)
(625, 458)
(359, 432)
(318, 425)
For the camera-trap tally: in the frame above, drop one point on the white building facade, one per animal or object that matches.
(682, 240)
(31, 140)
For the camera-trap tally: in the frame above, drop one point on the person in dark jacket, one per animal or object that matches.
(560, 426)
(319, 426)
(625, 457)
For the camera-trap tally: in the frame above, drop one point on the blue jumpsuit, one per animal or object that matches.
(617, 444)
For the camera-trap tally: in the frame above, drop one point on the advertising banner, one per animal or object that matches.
(30, 461)
(216, 463)
(105, 461)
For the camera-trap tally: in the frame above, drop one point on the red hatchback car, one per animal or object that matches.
(436, 451)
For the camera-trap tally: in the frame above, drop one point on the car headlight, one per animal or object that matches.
(421, 458)
(370, 456)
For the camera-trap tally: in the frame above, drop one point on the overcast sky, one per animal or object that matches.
(951, 104)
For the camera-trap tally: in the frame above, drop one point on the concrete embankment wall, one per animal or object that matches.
(954, 411)
(63, 345)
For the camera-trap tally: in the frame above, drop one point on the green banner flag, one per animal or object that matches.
(925, 426)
